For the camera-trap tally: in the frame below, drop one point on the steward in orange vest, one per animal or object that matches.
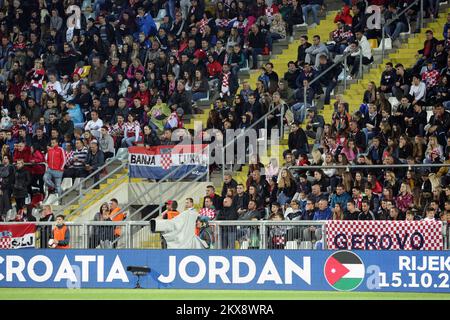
(61, 234)
(171, 212)
(116, 215)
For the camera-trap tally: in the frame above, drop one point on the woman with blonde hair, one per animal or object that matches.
(404, 200)
(286, 186)
(390, 181)
(317, 157)
(347, 181)
(277, 28)
(433, 147)
(338, 212)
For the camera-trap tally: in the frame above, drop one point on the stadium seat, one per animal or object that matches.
(292, 245)
(306, 245)
(66, 184)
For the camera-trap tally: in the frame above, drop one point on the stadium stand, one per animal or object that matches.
(77, 91)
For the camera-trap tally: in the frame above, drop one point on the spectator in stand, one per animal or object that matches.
(340, 37)
(106, 143)
(352, 212)
(366, 213)
(256, 44)
(388, 78)
(398, 24)
(301, 51)
(22, 180)
(313, 6)
(403, 80)
(316, 50)
(56, 160)
(94, 160)
(429, 47)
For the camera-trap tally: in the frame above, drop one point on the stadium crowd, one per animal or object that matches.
(72, 95)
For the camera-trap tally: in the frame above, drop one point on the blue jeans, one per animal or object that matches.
(54, 175)
(255, 52)
(128, 142)
(271, 37)
(36, 94)
(394, 30)
(199, 95)
(314, 8)
(299, 111)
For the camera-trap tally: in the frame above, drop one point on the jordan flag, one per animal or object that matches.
(344, 271)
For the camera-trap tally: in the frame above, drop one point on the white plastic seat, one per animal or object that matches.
(66, 184)
(306, 245)
(291, 245)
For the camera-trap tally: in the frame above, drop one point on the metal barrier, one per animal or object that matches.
(268, 234)
(260, 234)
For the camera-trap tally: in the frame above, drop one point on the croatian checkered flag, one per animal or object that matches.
(6, 243)
(166, 158)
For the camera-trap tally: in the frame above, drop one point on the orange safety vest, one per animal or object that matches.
(116, 215)
(60, 234)
(172, 214)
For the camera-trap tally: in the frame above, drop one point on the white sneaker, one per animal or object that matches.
(304, 24)
(313, 25)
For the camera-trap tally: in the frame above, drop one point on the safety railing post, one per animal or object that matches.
(324, 235)
(304, 95)
(223, 163)
(382, 42)
(282, 123)
(85, 231)
(360, 63)
(219, 236)
(345, 73)
(128, 239)
(421, 14)
(262, 235)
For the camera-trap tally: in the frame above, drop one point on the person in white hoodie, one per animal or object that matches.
(362, 44)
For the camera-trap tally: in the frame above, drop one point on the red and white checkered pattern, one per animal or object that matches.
(6, 243)
(430, 230)
(166, 160)
(210, 213)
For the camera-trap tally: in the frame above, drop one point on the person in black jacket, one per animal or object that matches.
(399, 24)
(329, 79)
(301, 53)
(297, 139)
(95, 159)
(181, 98)
(22, 179)
(388, 78)
(256, 44)
(6, 184)
(358, 136)
(403, 80)
(228, 212)
(151, 139)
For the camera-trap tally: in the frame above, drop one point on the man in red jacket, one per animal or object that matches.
(56, 160)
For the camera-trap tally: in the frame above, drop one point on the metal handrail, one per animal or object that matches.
(252, 126)
(107, 189)
(343, 58)
(79, 186)
(82, 192)
(388, 23)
